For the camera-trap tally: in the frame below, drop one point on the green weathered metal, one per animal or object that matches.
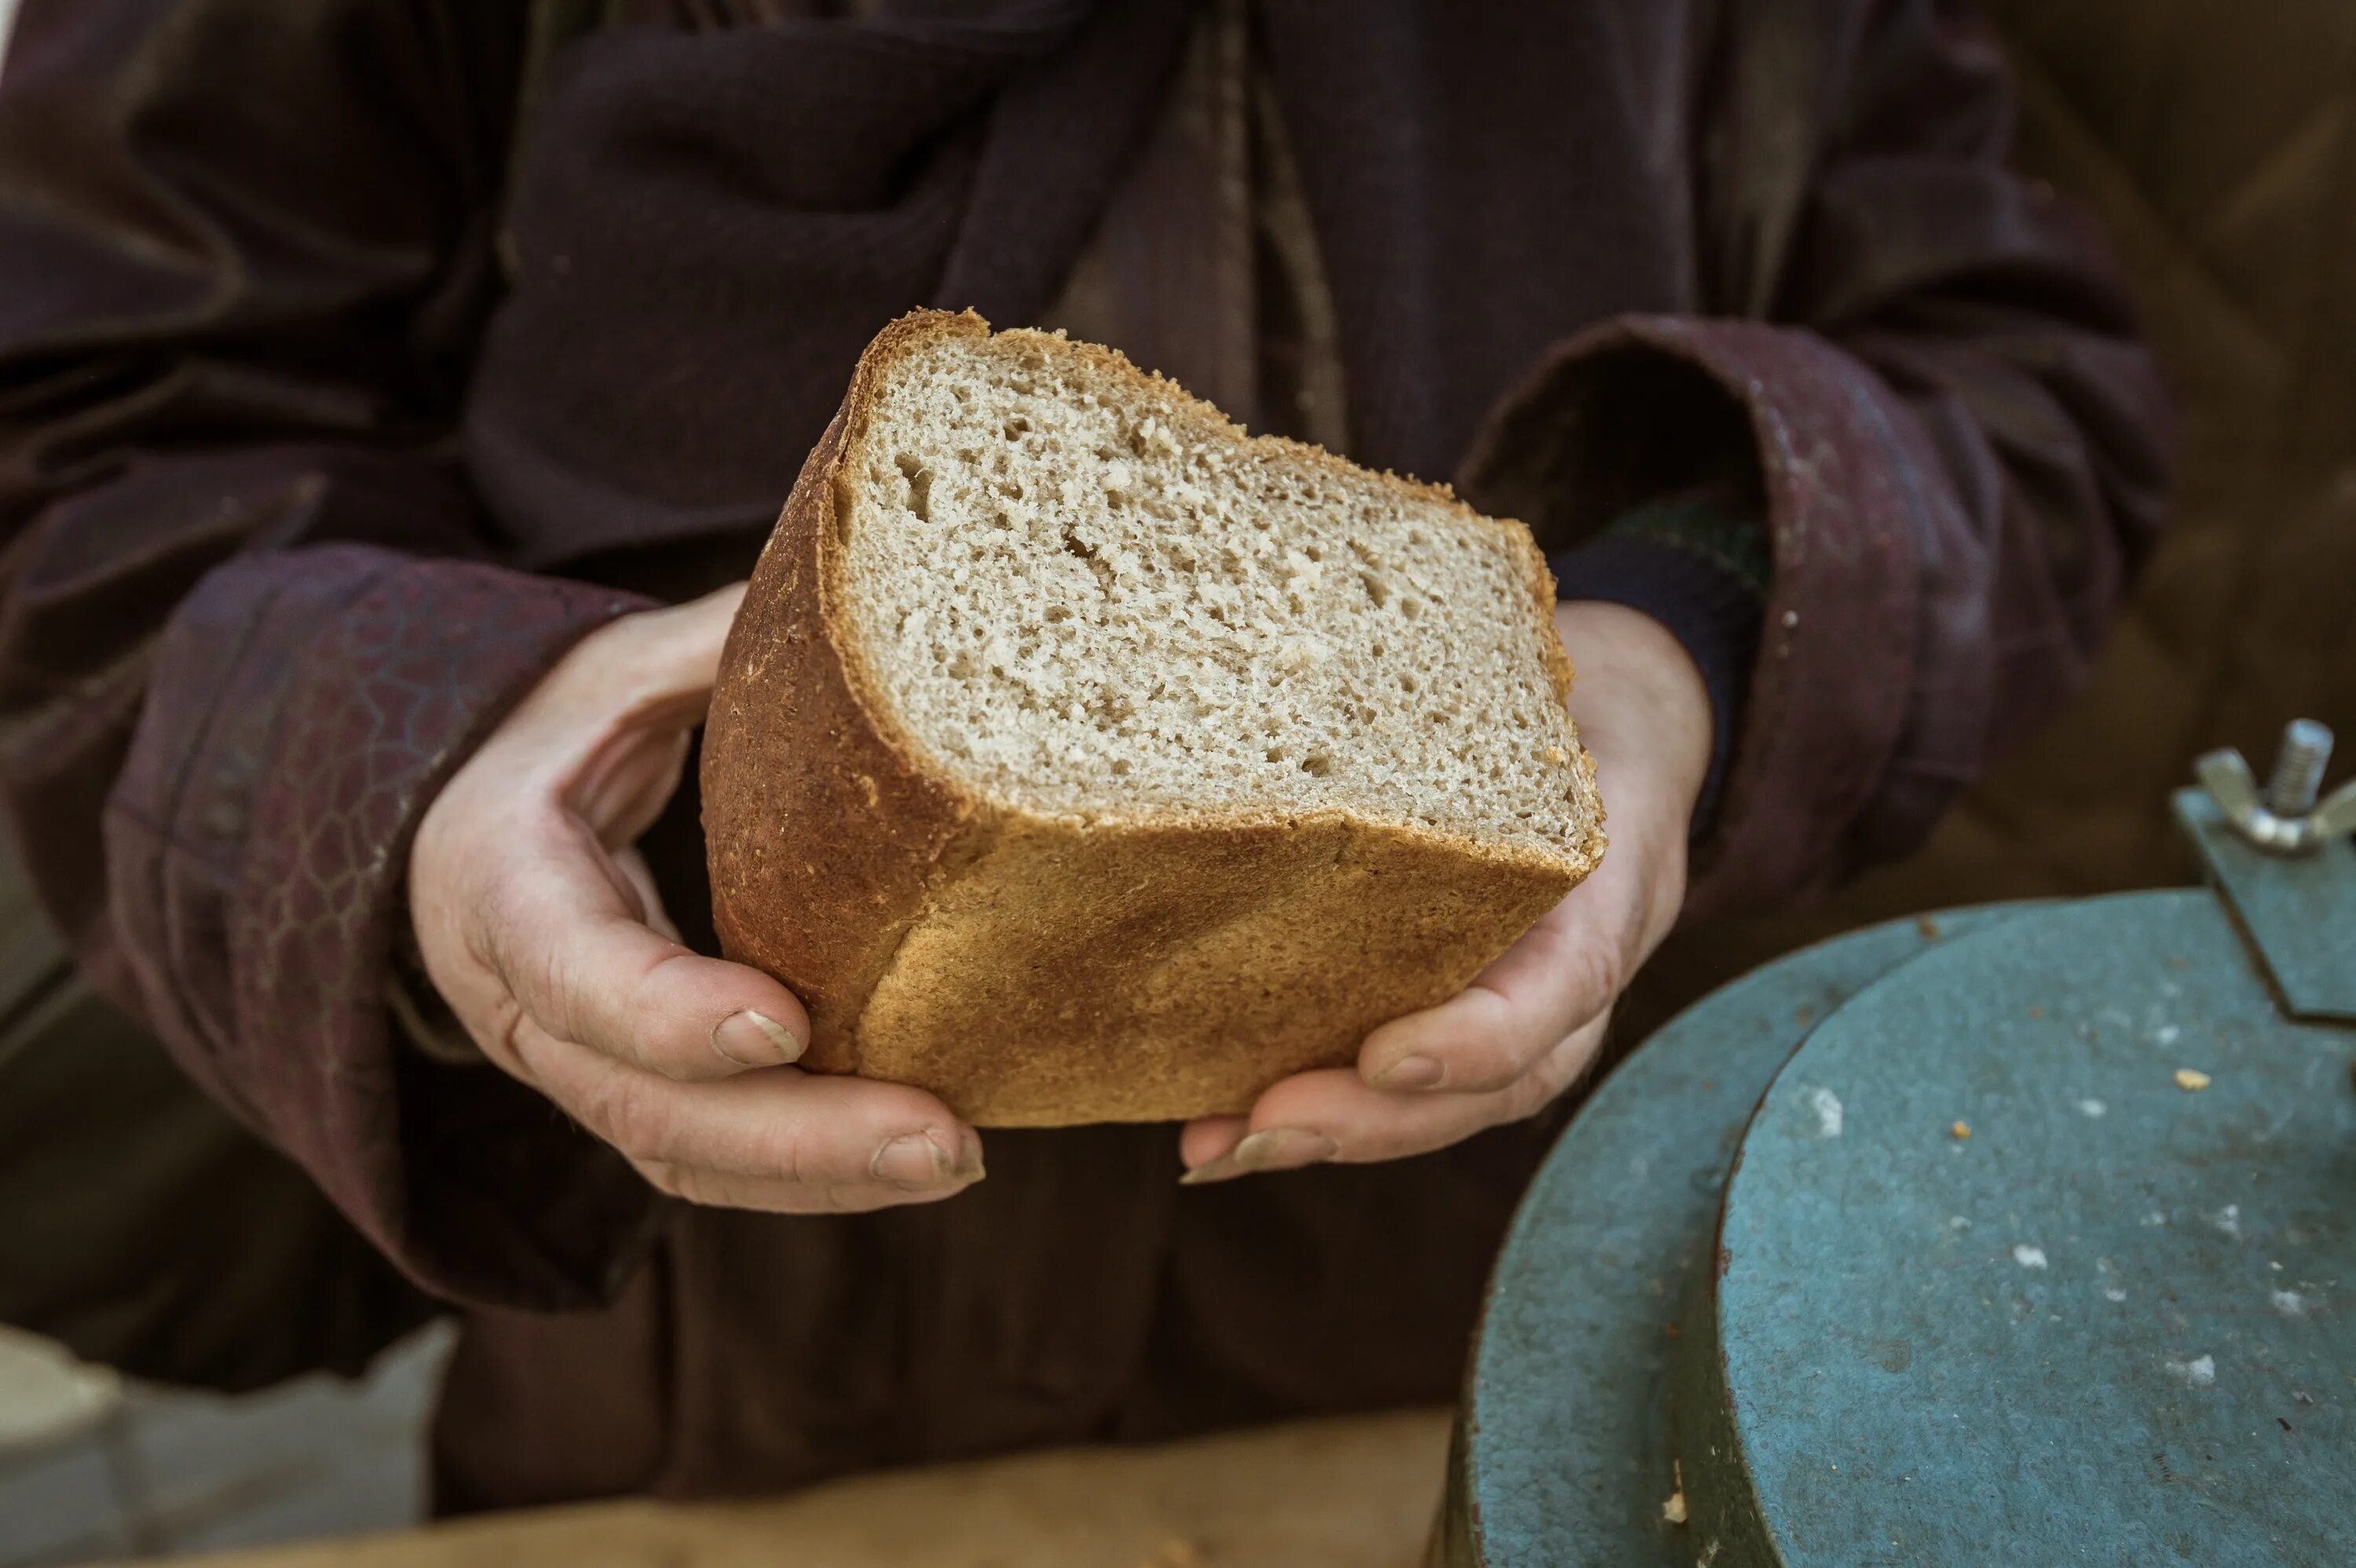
(1564, 1454)
(2104, 1322)
(2014, 1235)
(2110, 1325)
(2300, 911)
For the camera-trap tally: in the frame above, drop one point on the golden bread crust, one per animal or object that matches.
(1040, 971)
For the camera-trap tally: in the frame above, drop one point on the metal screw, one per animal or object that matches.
(2284, 816)
(2299, 768)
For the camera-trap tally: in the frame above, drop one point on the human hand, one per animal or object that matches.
(1521, 1033)
(541, 926)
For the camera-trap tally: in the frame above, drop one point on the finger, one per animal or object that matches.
(704, 622)
(607, 732)
(579, 733)
(658, 654)
(720, 1189)
(557, 927)
(1334, 1116)
(823, 1134)
(1565, 970)
(640, 878)
(1207, 1138)
(621, 782)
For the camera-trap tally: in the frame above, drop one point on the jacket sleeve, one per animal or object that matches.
(1923, 368)
(250, 613)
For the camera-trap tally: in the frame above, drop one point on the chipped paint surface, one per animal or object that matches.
(2122, 1307)
(2198, 1372)
(1569, 1364)
(2139, 1390)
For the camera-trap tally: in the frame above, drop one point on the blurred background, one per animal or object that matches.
(2218, 144)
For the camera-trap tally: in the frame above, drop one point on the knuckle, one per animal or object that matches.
(1599, 968)
(498, 1031)
(787, 1155)
(707, 1189)
(1592, 966)
(1489, 1054)
(487, 927)
(637, 1042)
(1547, 1081)
(1490, 1064)
(651, 1036)
(791, 1153)
(1529, 1094)
(545, 980)
(627, 1114)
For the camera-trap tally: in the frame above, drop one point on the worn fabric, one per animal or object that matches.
(139, 1223)
(304, 488)
(2218, 145)
(2220, 148)
(1697, 564)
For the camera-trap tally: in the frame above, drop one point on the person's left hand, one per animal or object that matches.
(1525, 1028)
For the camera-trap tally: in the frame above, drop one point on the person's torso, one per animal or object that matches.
(1359, 224)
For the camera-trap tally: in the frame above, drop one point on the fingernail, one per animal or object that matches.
(969, 1162)
(913, 1159)
(1273, 1148)
(925, 1160)
(1410, 1072)
(754, 1039)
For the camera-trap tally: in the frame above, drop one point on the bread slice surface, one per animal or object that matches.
(1079, 758)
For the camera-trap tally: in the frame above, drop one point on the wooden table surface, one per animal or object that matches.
(1349, 1493)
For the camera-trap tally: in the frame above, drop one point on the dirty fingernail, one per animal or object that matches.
(754, 1039)
(968, 1160)
(1274, 1148)
(913, 1159)
(1218, 1169)
(1410, 1072)
(1281, 1148)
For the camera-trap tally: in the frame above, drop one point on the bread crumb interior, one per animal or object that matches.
(1087, 597)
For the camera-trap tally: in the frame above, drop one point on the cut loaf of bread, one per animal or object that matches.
(1078, 758)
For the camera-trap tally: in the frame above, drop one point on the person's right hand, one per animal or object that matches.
(540, 925)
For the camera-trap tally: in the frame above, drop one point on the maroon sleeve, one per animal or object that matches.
(302, 709)
(1926, 368)
(250, 617)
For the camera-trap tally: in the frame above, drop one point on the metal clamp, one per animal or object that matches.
(2286, 819)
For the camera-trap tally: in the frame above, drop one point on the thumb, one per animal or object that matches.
(656, 665)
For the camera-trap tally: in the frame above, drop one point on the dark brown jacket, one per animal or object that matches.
(303, 490)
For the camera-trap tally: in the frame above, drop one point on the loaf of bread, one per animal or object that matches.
(1078, 758)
